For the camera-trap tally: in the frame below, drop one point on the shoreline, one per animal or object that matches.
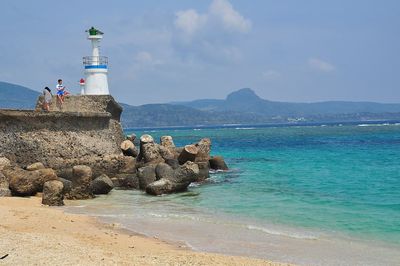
(32, 233)
(206, 232)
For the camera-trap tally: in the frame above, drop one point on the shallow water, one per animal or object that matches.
(311, 195)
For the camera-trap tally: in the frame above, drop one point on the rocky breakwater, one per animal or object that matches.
(164, 168)
(75, 152)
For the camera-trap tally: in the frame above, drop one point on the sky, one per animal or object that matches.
(176, 50)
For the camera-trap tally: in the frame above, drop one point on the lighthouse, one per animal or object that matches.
(96, 67)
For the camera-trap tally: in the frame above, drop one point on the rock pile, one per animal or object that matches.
(156, 169)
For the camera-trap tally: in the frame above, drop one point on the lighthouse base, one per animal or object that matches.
(96, 82)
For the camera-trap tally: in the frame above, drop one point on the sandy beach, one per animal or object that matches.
(32, 234)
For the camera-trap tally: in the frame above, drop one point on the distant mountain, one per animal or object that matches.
(245, 100)
(160, 115)
(17, 97)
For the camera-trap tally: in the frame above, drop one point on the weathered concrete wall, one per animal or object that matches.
(86, 131)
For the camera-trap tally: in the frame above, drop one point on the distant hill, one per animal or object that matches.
(160, 115)
(240, 107)
(17, 97)
(245, 100)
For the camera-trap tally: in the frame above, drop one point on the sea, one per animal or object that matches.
(310, 194)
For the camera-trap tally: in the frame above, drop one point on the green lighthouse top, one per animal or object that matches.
(92, 31)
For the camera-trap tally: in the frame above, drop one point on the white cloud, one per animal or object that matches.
(189, 21)
(220, 11)
(320, 65)
(146, 58)
(230, 18)
(271, 74)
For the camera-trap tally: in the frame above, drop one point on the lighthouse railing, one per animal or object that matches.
(95, 60)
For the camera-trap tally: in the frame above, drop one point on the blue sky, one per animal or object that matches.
(161, 51)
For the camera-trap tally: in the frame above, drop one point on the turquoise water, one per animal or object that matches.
(343, 179)
(309, 195)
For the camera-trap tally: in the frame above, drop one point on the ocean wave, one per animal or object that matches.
(280, 233)
(197, 129)
(245, 128)
(374, 125)
(111, 215)
(175, 216)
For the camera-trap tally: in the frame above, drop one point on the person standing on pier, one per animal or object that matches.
(60, 91)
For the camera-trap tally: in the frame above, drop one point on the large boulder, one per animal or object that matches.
(101, 185)
(188, 153)
(4, 186)
(146, 175)
(128, 148)
(218, 163)
(163, 170)
(28, 183)
(126, 181)
(174, 163)
(166, 153)
(128, 165)
(167, 142)
(53, 193)
(204, 149)
(81, 178)
(35, 166)
(181, 179)
(67, 185)
(151, 153)
(204, 171)
(45, 174)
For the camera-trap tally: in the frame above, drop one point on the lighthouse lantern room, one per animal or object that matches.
(96, 67)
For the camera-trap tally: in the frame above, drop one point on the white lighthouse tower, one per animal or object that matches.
(96, 67)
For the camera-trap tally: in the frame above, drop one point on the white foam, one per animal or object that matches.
(375, 125)
(245, 128)
(281, 233)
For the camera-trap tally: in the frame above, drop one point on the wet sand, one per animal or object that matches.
(32, 234)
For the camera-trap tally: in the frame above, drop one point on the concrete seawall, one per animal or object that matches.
(86, 130)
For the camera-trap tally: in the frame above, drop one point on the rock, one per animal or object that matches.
(128, 148)
(28, 183)
(146, 175)
(167, 142)
(67, 185)
(53, 193)
(182, 178)
(151, 153)
(174, 163)
(65, 173)
(21, 182)
(81, 175)
(101, 185)
(159, 187)
(35, 166)
(163, 170)
(204, 146)
(4, 163)
(126, 181)
(4, 186)
(218, 163)
(187, 173)
(204, 171)
(188, 153)
(128, 165)
(146, 139)
(166, 153)
(45, 174)
(81, 178)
